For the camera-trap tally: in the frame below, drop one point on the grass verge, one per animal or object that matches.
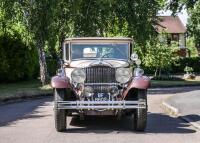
(166, 83)
(25, 89)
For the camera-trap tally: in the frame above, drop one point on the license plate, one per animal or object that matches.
(101, 97)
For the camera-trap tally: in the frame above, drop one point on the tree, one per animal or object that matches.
(177, 5)
(33, 16)
(117, 18)
(194, 23)
(37, 16)
(50, 21)
(193, 52)
(192, 7)
(60, 27)
(46, 21)
(159, 56)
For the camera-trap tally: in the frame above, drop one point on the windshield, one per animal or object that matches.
(99, 51)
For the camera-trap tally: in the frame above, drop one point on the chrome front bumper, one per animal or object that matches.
(100, 105)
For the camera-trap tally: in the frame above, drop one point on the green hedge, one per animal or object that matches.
(17, 60)
(52, 66)
(193, 62)
(178, 67)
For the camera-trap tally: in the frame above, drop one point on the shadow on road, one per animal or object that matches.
(193, 117)
(157, 123)
(22, 110)
(162, 123)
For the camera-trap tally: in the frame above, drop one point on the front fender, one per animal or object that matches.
(142, 82)
(60, 82)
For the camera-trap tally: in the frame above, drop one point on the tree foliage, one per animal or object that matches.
(194, 23)
(119, 17)
(48, 22)
(18, 61)
(191, 46)
(35, 17)
(192, 7)
(177, 5)
(18, 58)
(160, 56)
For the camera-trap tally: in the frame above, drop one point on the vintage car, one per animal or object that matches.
(100, 76)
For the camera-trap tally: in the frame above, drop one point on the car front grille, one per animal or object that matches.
(100, 78)
(100, 74)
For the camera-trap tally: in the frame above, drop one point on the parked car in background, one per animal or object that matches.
(100, 76)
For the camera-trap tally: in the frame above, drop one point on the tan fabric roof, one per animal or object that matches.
(99, 38)
(170, 24)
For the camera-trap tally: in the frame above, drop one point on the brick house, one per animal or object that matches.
(175, 30)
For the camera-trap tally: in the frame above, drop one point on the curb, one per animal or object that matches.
(170, 109)
(23, 98)
(175, 111)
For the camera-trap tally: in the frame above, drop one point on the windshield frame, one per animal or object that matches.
(96, 42)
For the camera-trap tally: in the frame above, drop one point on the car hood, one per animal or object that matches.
(87, 63)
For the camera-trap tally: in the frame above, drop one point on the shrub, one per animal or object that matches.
(167, 77)
(17, 60)
(193, 62)
(179, 66)
(159, 57)
(188, 69)
(52, 65)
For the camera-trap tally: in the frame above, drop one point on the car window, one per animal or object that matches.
(96, 51)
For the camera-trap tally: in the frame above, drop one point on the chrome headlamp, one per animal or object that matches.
(78, 75)
(134, 57)
(138, 72)
(88, 91)
(123, 75)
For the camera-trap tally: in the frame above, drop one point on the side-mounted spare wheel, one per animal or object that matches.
(59, 114)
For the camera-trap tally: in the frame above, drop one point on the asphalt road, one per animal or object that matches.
(32, 122)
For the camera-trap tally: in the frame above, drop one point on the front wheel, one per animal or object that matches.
(59, 114)
(140, 115)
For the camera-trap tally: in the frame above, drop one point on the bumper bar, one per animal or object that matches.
(101, 104)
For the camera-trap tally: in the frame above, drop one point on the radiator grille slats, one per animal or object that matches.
(100, 74)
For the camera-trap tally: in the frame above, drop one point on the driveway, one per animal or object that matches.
(32, 122)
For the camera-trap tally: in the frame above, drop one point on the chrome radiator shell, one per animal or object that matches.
(100, 78)
(100, 74)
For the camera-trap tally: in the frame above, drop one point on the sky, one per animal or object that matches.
(182, 15)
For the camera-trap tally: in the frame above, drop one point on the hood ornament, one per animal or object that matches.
(101, 63)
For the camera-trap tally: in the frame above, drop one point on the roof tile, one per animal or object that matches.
(171, 24)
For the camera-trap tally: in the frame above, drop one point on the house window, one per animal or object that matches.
(175, 37)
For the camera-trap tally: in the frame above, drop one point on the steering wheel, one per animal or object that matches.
(107, 55)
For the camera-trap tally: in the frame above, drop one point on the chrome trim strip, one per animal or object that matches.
(101, 84)
(101, 104)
